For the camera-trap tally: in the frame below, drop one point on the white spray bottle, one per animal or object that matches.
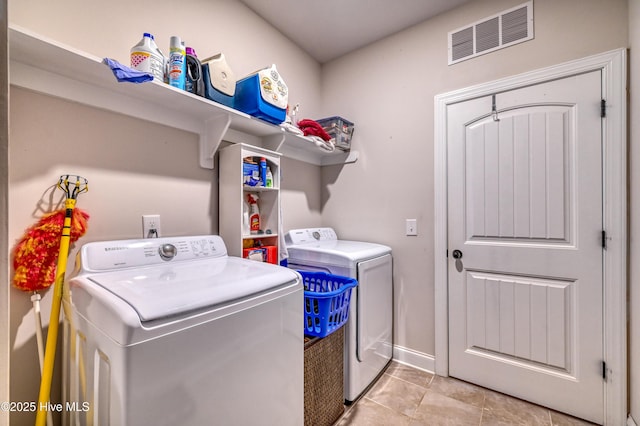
(246, 229)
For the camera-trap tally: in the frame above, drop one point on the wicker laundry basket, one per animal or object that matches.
(323, 379)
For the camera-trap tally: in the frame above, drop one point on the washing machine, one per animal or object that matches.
(173, 331)
(368, 342)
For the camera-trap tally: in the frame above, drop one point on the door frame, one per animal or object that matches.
(613, 65)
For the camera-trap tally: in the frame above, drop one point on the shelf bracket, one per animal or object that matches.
(274, 142)
(349, 157)
(214, 129)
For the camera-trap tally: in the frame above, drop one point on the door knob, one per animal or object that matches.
(457, 254)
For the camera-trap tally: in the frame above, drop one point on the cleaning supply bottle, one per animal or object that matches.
(263, 171)
(269, 178)
(254, 215)
(176, 63)
(246, 229)
(194, 82)
(147, 57)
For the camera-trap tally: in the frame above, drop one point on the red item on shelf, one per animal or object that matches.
(313, 128)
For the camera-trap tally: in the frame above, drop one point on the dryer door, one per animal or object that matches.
(374, 312)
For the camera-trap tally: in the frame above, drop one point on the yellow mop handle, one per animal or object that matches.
(54, 320)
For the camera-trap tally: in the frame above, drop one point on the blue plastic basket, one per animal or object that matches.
(326, 302)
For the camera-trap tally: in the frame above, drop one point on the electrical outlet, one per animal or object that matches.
(150, 226)
(412, 227)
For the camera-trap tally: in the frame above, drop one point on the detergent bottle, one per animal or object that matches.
(269, 183)
(147, 57)
(254, 214)
(194, 82)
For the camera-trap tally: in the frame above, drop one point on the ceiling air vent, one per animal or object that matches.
(507, 28)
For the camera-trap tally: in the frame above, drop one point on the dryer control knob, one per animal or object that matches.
(167, 251)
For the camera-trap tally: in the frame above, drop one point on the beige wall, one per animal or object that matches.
(134, 167)
(388, 88)
(111, 28)
(634, 208)
(368, 200)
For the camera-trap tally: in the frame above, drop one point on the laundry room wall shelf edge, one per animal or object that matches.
(45, 66)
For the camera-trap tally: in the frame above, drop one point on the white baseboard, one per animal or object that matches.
(630, 421)
(413, 358)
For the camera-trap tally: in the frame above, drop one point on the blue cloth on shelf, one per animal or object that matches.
(124, 73)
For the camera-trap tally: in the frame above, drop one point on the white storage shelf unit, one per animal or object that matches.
(48, 67)
(233, 193)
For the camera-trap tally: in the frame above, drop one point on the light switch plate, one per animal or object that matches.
(412, 227)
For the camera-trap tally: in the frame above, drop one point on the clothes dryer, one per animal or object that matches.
(369, 330)
(172, 331)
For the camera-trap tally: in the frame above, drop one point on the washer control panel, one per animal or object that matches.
(310, 235)
(113, 255)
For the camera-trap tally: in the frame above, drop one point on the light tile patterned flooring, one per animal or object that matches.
(407, 396)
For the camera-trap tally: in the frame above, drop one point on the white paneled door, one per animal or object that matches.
(525, 244)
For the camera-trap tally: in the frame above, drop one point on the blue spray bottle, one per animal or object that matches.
(176, 63)
(263, 171)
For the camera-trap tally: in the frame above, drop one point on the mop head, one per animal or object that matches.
(36, 255)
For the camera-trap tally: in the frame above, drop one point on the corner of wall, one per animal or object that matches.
(4, 227)
(633, 14)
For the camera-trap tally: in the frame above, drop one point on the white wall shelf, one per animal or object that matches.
(45, 66)
(233, 195)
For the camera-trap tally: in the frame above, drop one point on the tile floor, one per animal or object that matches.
(407, 396)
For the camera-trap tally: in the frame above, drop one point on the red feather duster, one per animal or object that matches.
(35, 256)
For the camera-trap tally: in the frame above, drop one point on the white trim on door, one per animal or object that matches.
(614, 134)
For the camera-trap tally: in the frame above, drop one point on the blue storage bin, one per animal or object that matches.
(211, 92)
(340, 130)
(249, 96)
(326, 302)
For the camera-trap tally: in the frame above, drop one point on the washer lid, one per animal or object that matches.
(162, 291)
(336, 252)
